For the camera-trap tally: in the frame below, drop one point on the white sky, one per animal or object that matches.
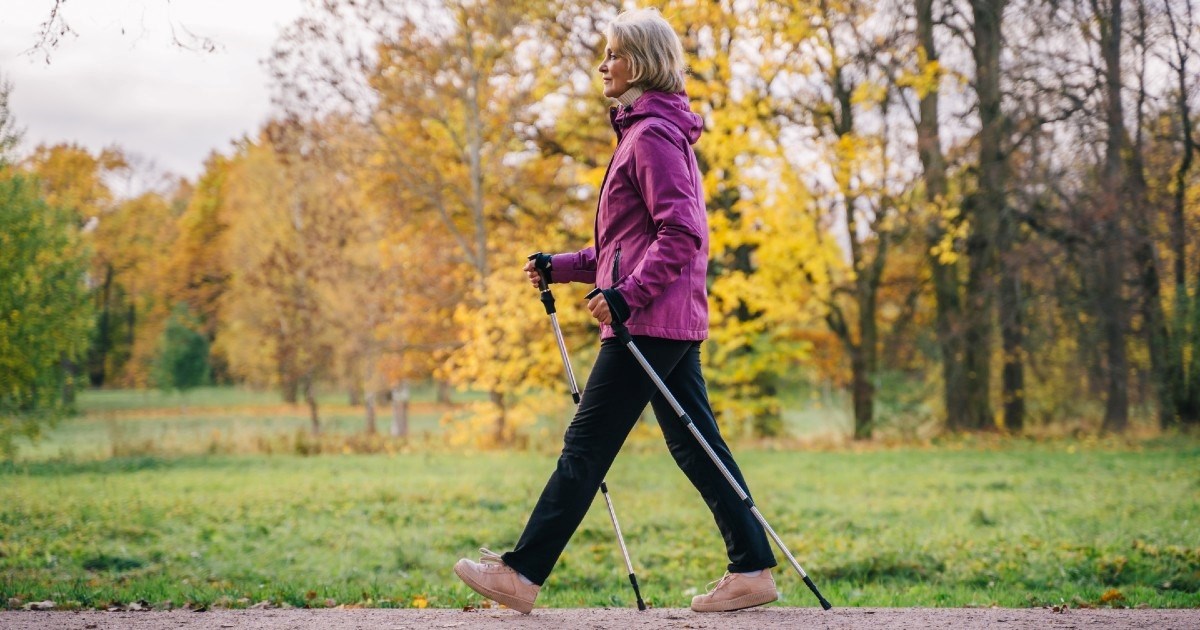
(123, 81)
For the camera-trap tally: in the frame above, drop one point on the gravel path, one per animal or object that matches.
(595, 618)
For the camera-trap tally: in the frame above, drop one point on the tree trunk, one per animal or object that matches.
(369, 402)
(98, 357)
(1112, 308)
(978, 334)
(987, 206)
(70, 376)
(1189, 409)
(1182, 381)
(945, 278)
(863, 393)
(1012, 325)
(500, 436)
(310, 397)
(443, 393)
(400, 397)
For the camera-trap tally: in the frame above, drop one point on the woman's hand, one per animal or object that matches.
(535, 278)
(599, 309)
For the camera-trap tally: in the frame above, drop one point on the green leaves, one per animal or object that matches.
(182, 361)
(44, 311)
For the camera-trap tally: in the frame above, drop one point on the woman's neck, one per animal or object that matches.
(630, 96)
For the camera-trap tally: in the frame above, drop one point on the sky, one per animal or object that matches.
(121, 80)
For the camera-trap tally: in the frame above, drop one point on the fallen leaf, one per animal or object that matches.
(1111, 595)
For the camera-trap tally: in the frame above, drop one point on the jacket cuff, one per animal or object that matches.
(616, 304)
(542, 262)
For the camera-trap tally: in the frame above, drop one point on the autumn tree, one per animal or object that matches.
(458, 113)
(131, 253)
(286, 215)
(198, 270)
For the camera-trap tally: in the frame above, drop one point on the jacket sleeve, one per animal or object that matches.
(664, 176)
(577, 267)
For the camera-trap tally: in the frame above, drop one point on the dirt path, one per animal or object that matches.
(595, 618)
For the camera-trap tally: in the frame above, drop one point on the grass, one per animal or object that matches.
(121, 423)
(967, 523)
(1014, 527)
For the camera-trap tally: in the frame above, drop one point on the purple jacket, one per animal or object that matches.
(651, 214)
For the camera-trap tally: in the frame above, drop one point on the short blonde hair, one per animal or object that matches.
(655, 54)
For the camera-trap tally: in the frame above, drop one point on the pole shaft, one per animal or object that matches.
(566, 358)
(548, 300)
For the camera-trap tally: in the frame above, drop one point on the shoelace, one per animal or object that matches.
(719, 583)
(487, 556)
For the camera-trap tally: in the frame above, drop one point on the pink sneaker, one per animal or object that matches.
(493, 579)
(736, 591)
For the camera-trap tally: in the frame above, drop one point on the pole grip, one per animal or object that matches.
(617, 325)
(543, 286)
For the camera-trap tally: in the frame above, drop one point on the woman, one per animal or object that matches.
(650, 259)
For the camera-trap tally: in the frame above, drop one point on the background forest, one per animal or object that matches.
(969, 216)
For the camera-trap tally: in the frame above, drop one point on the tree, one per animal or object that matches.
(44, 309)
(10, 134)
(286, 214)
(182, 362)
(198, 271)
(943, 214)
(459, 118)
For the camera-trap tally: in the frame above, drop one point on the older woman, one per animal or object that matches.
(649, 259)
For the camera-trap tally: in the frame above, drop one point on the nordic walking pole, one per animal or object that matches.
(548, 302)
(623, 335)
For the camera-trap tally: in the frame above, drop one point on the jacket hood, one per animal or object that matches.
(673, 108)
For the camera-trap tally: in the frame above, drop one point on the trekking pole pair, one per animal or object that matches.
(622, 334)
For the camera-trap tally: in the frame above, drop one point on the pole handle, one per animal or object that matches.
(617, 325)
(543, 286)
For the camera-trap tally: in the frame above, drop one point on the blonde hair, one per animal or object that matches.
(655, 54)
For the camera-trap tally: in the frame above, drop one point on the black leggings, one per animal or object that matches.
(615, 396)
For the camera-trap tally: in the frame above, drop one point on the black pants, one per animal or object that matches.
(615, 396)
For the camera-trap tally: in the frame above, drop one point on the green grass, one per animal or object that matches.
(202, 497)
(1016, 525)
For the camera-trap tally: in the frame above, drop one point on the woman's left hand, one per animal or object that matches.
(599, 309)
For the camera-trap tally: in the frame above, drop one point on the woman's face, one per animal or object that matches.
(615, 71)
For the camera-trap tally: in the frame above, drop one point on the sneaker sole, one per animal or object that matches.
(749, 600)
(518, 605)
